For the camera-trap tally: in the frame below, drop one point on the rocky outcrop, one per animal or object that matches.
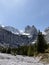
(32, 31)
(47, 34)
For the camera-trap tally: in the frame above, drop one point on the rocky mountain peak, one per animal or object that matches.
(47, 30)
(31, 30)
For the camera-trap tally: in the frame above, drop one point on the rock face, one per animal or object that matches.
(12, 29)
(32, 31)
(12, 39)
(47, 34)
(47, 30)
(9, 38)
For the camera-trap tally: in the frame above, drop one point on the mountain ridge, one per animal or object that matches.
(13, 37)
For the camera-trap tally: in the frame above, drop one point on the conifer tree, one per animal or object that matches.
(41, 43)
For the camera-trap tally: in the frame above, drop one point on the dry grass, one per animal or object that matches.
(45, 57)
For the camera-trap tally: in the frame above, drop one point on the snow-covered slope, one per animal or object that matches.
(7, 59)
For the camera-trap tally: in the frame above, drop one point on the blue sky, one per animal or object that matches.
(20, 13)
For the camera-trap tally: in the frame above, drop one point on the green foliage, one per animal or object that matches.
(30, 50)
(3, 50)
(22, 50)
(41, 43)
(14, 51)
(8, 50)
